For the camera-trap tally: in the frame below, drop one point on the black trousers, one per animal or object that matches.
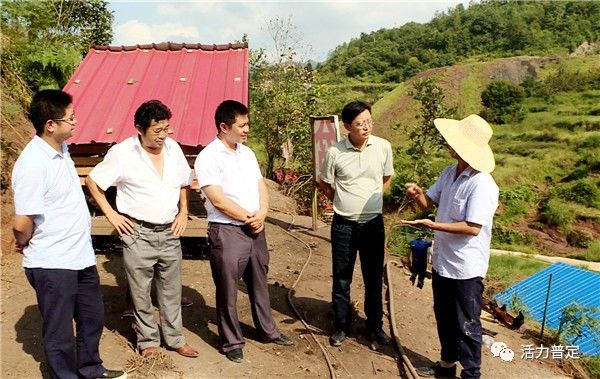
(64, 296)
(368, 239)
(457, 307)
(237, 254)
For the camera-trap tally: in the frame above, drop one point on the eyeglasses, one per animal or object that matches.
(364, 123)
(71, 120)
(160, 130)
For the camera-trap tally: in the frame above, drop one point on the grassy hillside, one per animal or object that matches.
(548, 165)
(486, 28)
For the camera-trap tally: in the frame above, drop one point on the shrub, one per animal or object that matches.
(591, 142)
(582, 191)
(503, 234)
(535, 88)
(516, 201)
(570, 126)
(557, 213)
(517, 305)
(564, 80)
(536, 109)
(502, 101)
(594, 112)
(576, 321)
(580, 238)
(593, 252)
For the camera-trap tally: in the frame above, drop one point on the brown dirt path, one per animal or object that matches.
(22, 353)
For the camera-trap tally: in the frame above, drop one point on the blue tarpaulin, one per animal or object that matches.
(569, 284)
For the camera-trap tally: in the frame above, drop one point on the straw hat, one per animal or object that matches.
(470, 138)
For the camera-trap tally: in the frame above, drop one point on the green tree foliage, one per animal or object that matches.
(44, 41)
(283, 96)
(415, 164)
(576, 321)
(488, 28)
(425, 139)
(503, 102)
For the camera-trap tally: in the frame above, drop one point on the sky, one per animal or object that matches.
(318, 27)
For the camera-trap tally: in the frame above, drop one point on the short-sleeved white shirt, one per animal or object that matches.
(357, 177)
(472, 197)
(236, 172)
(141, 192)
(46, 186)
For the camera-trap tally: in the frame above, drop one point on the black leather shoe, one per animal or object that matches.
(283, 340)
(380, 336)
(114, 374)
(337, 338)
(437, 371)
(235, 355)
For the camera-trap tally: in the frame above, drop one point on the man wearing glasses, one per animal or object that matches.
(152, 178)
(52, 229)
(355, 174)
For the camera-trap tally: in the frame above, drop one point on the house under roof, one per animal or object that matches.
(191, 79)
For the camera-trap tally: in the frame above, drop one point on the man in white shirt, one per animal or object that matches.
(52, 229)
(356, 173)
(152, 178)
(237, 202)
(467, 197)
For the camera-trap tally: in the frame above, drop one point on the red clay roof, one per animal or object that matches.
(191, 79)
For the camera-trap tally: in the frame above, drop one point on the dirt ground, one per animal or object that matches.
(289, 240)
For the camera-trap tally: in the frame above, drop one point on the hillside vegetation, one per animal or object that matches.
(483, 30)
(548, 164)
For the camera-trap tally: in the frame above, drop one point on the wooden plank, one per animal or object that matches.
(87, 161)
(89, 149)
(196, 227)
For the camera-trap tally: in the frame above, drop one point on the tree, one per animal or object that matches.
(414, 165)
(283, 96)
(576, 321)
(44, 41)
(502, 101)
(425, 139)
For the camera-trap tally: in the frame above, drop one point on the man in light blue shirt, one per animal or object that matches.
(467, 197)
(52, 229)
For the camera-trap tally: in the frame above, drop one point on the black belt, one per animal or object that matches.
(225, 223)
(344, 221)
(149, 225)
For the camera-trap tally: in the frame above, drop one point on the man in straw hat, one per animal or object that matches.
(467, 197)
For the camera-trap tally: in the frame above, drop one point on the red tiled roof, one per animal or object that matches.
(191, 79)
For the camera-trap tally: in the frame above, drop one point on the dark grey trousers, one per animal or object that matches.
(237, 254)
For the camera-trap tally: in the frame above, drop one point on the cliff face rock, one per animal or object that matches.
(586, 48)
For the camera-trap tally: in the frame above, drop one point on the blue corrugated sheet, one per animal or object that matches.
(569, 283)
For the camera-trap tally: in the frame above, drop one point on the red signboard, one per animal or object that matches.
(326, 132)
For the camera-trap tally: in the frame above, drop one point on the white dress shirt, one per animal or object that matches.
(46, 186)
(472, 197)
(141, 192)
(236, 172)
